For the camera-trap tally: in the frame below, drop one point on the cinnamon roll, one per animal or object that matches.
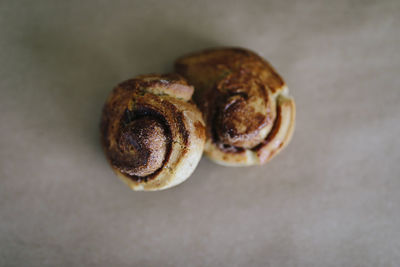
(246, 105)
(152, 133)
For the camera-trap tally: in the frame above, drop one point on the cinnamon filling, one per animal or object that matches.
(242, 116)
(143, 144)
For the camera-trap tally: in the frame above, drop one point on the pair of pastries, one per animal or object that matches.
(154, 135)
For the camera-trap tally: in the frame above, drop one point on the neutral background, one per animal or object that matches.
(330, 199)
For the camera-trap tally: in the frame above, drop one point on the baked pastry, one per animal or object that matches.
(248, 112)
(152, 133)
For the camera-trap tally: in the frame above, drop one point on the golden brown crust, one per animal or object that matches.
(243, 101)
(152, 135)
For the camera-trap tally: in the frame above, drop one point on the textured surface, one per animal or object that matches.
(331, 198)
(249, 115)
(152, 137)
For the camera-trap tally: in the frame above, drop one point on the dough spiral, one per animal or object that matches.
(249, 114)
(152, 133)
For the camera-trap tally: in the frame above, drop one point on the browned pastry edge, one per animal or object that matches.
(263, 119)
(277, 139)
(152, 134)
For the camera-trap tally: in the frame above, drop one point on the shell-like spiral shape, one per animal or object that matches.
(152, 133)
(249, 114)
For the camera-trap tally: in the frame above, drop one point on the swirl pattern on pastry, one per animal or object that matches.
(249, 114)
(152, 133)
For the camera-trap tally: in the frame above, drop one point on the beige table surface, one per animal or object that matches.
(332, 198)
